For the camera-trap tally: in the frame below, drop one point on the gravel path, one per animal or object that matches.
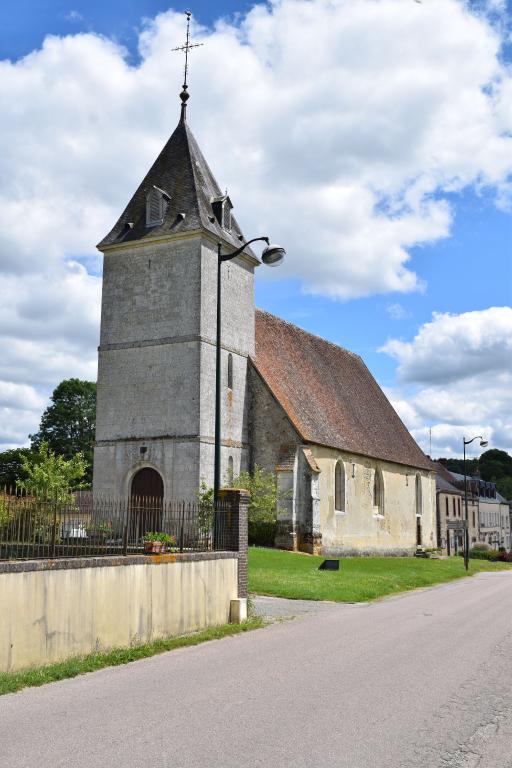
(282, 608)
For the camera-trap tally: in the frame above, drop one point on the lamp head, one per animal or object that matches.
(273, 255)
(483, 443)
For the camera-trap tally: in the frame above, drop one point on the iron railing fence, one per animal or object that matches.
(91, 526)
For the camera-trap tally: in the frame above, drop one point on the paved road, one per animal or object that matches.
(419, 680)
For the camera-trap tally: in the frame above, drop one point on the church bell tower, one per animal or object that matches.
(156, 365)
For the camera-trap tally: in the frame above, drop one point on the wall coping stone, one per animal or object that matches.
(107, 561)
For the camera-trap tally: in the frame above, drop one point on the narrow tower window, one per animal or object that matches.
(230, 371)
(339, 487)
(230, 470)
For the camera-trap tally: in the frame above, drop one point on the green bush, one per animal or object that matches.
(262, 486)
(481, 545)
(262, 532)
(492, 555)
(482, 554)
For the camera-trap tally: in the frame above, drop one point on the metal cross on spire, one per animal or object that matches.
(184, 95)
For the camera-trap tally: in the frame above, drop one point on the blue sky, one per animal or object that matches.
(440, 249)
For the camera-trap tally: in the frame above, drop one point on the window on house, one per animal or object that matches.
(378, 493)
(447, 507)
(458, 504)
(230, 371)
(339, 487)
(157, 203)
(419, 497)
(454, 509)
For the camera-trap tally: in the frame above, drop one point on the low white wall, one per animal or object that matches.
(49, 614)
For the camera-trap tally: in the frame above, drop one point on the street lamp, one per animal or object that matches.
(272, 256)
(483, 444)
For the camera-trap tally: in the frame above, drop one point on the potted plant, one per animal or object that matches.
(156, 542)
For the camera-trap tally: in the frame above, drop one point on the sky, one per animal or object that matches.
(371, 138)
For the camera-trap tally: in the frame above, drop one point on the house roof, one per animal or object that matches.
(182, 172)
(329, 394)
(444, 480)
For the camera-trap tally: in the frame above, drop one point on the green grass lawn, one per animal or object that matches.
(296, 575)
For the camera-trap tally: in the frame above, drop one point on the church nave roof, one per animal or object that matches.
(329, 394)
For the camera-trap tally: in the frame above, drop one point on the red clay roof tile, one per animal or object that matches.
(329, 394)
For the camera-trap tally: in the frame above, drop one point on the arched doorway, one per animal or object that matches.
(147, 495)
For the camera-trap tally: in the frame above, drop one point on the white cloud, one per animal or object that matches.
(455, 347)
(74, 16)
(461, 366)
(344, 153)
(19, 396)
(343, 150)
(396, 311)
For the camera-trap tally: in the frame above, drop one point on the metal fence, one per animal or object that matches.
(87, 526)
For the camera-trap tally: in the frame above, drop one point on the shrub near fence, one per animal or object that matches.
(262, 533)
(87, 526)
(476, 553)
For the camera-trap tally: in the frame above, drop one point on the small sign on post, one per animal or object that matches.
(329, 565)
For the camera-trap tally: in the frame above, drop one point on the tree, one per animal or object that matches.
(68, 424)
(262, 486)
(494, 465)
(11, 466)
(262, 511)
(457, 465)
(504, 486)
(52, 477)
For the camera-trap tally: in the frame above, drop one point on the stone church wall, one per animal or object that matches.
(358, 529)
(269, 427)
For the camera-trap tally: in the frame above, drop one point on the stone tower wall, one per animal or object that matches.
(156, 374)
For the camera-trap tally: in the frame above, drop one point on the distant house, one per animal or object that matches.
(488, 512)
(450, 513)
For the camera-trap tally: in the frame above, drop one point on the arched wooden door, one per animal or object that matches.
(147, 495)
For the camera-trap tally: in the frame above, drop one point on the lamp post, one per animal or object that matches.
(272, 256)
(483, 444)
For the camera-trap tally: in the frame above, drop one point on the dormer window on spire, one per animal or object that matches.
(157, 203)
(222, 208)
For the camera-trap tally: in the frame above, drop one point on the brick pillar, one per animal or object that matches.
(234, 504)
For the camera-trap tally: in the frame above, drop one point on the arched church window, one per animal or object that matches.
(339, 487)
(419, 497)
(230, 371)
(378, 493)
(157, 203)
(230, 470)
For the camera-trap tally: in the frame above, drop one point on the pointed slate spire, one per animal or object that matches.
(181, 175)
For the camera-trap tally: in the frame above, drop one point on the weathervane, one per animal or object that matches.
(184, 95)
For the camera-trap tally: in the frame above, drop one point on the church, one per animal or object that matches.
(351, 478)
